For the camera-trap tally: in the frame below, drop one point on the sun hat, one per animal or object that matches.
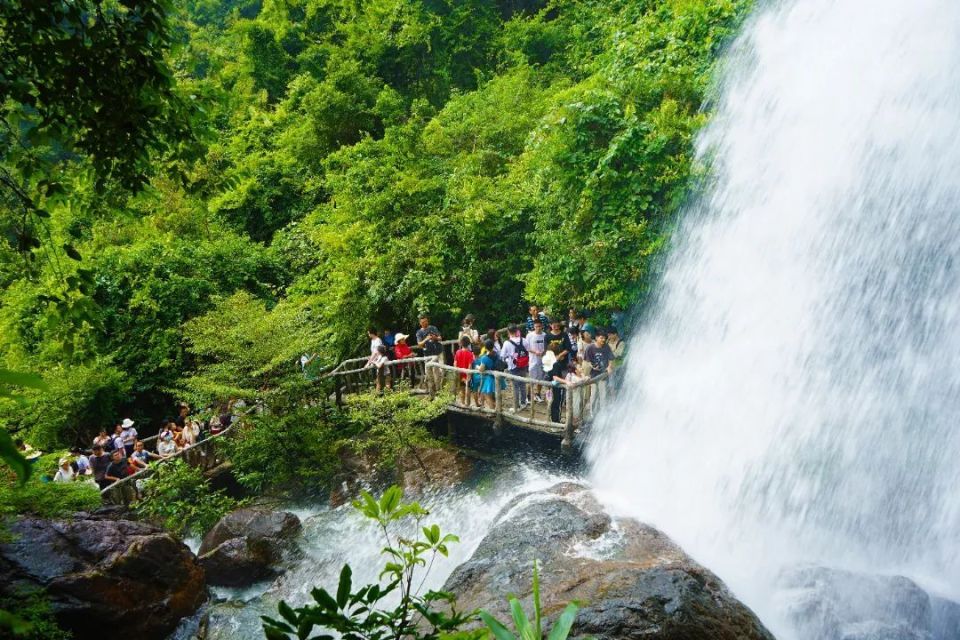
(401, 336)
(64, 461)
(127, 423)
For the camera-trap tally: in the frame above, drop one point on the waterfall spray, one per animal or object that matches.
(794, 394)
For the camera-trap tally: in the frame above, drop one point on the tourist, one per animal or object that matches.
(555, 367)
(402, 351)
(166, 446)
(375, 344)
(103, 440)
(488, 363)
(558, 338)
(585, 325)
(182, 413)
(467, 330)
(617, 346)
(80, 462)
(476, 379)
(493, 337)
(141, 457)
(129, 436)
(573, 340)
(117, 439)
(537, 346)
(434, 347)
(462, 359)
(574, 395)
(389, 341)
(517, 358)
(118, 469)
(535, 314)
(381, 362)
(599, 356)
(65, 473)
(572, 319)
(425, 331)
(99, 461)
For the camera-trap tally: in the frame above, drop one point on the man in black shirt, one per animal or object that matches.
(558, 338)
(99, 462)
(425, 330)
(117, 469)
(599, 355)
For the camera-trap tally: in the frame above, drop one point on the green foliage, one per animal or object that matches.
(296, 451)
(33, 618)
(393, 424)
(527, 629)
(362, 162)
(8, 451)
(179, 498)
(46, 499)
(361, 613)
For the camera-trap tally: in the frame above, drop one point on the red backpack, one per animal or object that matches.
(522, 358)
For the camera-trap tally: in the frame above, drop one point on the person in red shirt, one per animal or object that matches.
(462, 359)
(402, 350)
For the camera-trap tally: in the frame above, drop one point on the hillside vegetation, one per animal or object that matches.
(353, 163)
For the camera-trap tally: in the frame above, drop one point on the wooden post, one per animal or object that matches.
(498, 405)
(533, 392)
(566, 445)
(431, 388)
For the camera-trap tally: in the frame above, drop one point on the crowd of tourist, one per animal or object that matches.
(551, 353)
(120, 453)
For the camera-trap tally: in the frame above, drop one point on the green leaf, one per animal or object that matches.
(9, 454)
(520, 620)
(324, 599)
(564, 623)
(343, 589)
(72, 253)
(499, 631)
(288, 614)
(390, 500)
(537, 613)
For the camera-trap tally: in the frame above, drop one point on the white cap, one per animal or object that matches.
(127, 423)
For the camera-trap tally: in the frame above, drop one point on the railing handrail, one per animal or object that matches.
(509, 376)
(391, 363)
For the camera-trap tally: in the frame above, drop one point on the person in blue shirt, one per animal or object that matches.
(536, 314)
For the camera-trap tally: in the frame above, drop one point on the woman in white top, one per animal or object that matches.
(65, 473)
(468, 330)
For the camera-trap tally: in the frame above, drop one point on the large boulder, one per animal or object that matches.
(245, 546)
(632, 580)
(103, 574)
(831, 604)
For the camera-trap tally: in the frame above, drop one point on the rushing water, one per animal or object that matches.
(332, 537)
(794, 395)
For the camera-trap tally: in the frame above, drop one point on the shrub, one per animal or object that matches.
(42, 498)
(180, 499)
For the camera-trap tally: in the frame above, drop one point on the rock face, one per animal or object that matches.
(104, 574)
(246, 545)
(633, 581)
(430, 467)
(830, 604)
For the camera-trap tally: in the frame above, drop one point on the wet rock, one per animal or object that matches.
(432, 467)
(633, 581)
(104, 574)
(831, 604)
(246, 545)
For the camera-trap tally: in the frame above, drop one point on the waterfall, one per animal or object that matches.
(793, 392)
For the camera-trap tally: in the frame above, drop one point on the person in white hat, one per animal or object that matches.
(129, 436)
(65, 473)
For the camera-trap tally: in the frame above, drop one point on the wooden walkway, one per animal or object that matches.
(431, 377)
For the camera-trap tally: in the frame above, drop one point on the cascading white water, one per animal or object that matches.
(794, 393)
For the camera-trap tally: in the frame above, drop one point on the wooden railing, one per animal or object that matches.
(203, 454)
(430, 376)
(578, 400)
(348, 378)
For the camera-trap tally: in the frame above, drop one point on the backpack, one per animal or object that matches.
(522, 358)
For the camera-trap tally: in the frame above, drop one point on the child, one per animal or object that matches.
(402, 350)
(462, 359)
(476, 378)
(379, 360)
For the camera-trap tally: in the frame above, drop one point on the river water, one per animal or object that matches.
(793, 393)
